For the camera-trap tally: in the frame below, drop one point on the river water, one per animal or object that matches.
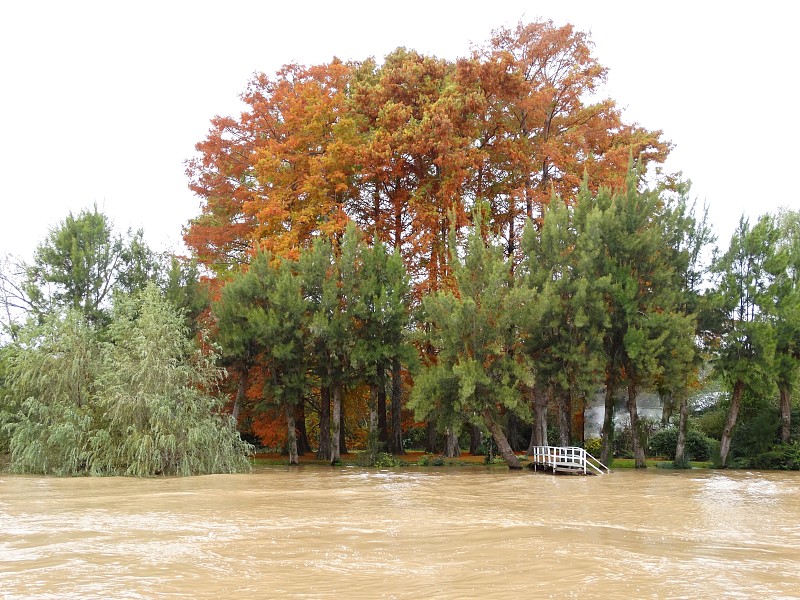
(468, 532)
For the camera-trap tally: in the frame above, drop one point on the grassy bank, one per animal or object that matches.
(660, 463)
(419, 458)
(409, 459)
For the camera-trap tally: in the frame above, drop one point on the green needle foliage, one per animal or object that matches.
(562, 326)
(786, 312)
(381, 315)
(745, 361)
(261, 321)
(82, 262)
(329, 282)
(647, 332)
(474, 376)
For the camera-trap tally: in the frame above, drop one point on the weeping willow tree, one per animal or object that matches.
(140, 403)
(49, 408)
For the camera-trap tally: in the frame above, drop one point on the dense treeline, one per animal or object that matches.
(466, 249)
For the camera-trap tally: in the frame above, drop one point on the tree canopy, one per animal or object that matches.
(406, 149)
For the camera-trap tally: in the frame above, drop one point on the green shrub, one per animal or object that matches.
(715, 461)
(785, 457)
(756, 432)
(429, 460)
(415, 437)
(623, 438)
(385, 460)
(664, 442)
(680, 464)
(622, 446)
(711, 423)
(593, 446)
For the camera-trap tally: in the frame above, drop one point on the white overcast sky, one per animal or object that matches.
(102, 102)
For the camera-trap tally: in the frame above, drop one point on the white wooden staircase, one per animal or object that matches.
(569, 459)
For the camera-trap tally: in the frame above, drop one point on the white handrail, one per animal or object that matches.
(566, 459)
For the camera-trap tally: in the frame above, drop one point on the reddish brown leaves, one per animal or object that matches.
(408, 147)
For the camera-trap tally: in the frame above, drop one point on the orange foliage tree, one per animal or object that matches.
(541, 129)
(407, 148)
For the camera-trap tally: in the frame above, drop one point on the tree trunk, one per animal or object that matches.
(396, 438)
(336, 421)
(303, 445)
(383, 429)
(786, 413)
(565, 419)
(324, 448)
(430, 438)
(291, 435)
(730, 423)
(539, 430)
(607, 445)
(451, 447)
(512, 237)
(373, 412)
(512, 425)
(668, 406)
(241, 391)
(474, 439)
(683, 426)
(342, 431)
(500, 439)
(528, 198)
(540, 412)
(636, 439)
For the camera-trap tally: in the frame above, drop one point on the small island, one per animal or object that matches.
(414, 253)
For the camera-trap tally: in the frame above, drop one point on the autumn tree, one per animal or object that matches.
(405, 148)
(270, 179)
(402, 145)
(541, 128)
(413, 157)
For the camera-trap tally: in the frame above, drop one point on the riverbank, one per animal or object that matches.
(409, 459)
(415, 458)
(422, 459)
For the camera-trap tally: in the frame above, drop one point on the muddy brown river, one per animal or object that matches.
(426, 533)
